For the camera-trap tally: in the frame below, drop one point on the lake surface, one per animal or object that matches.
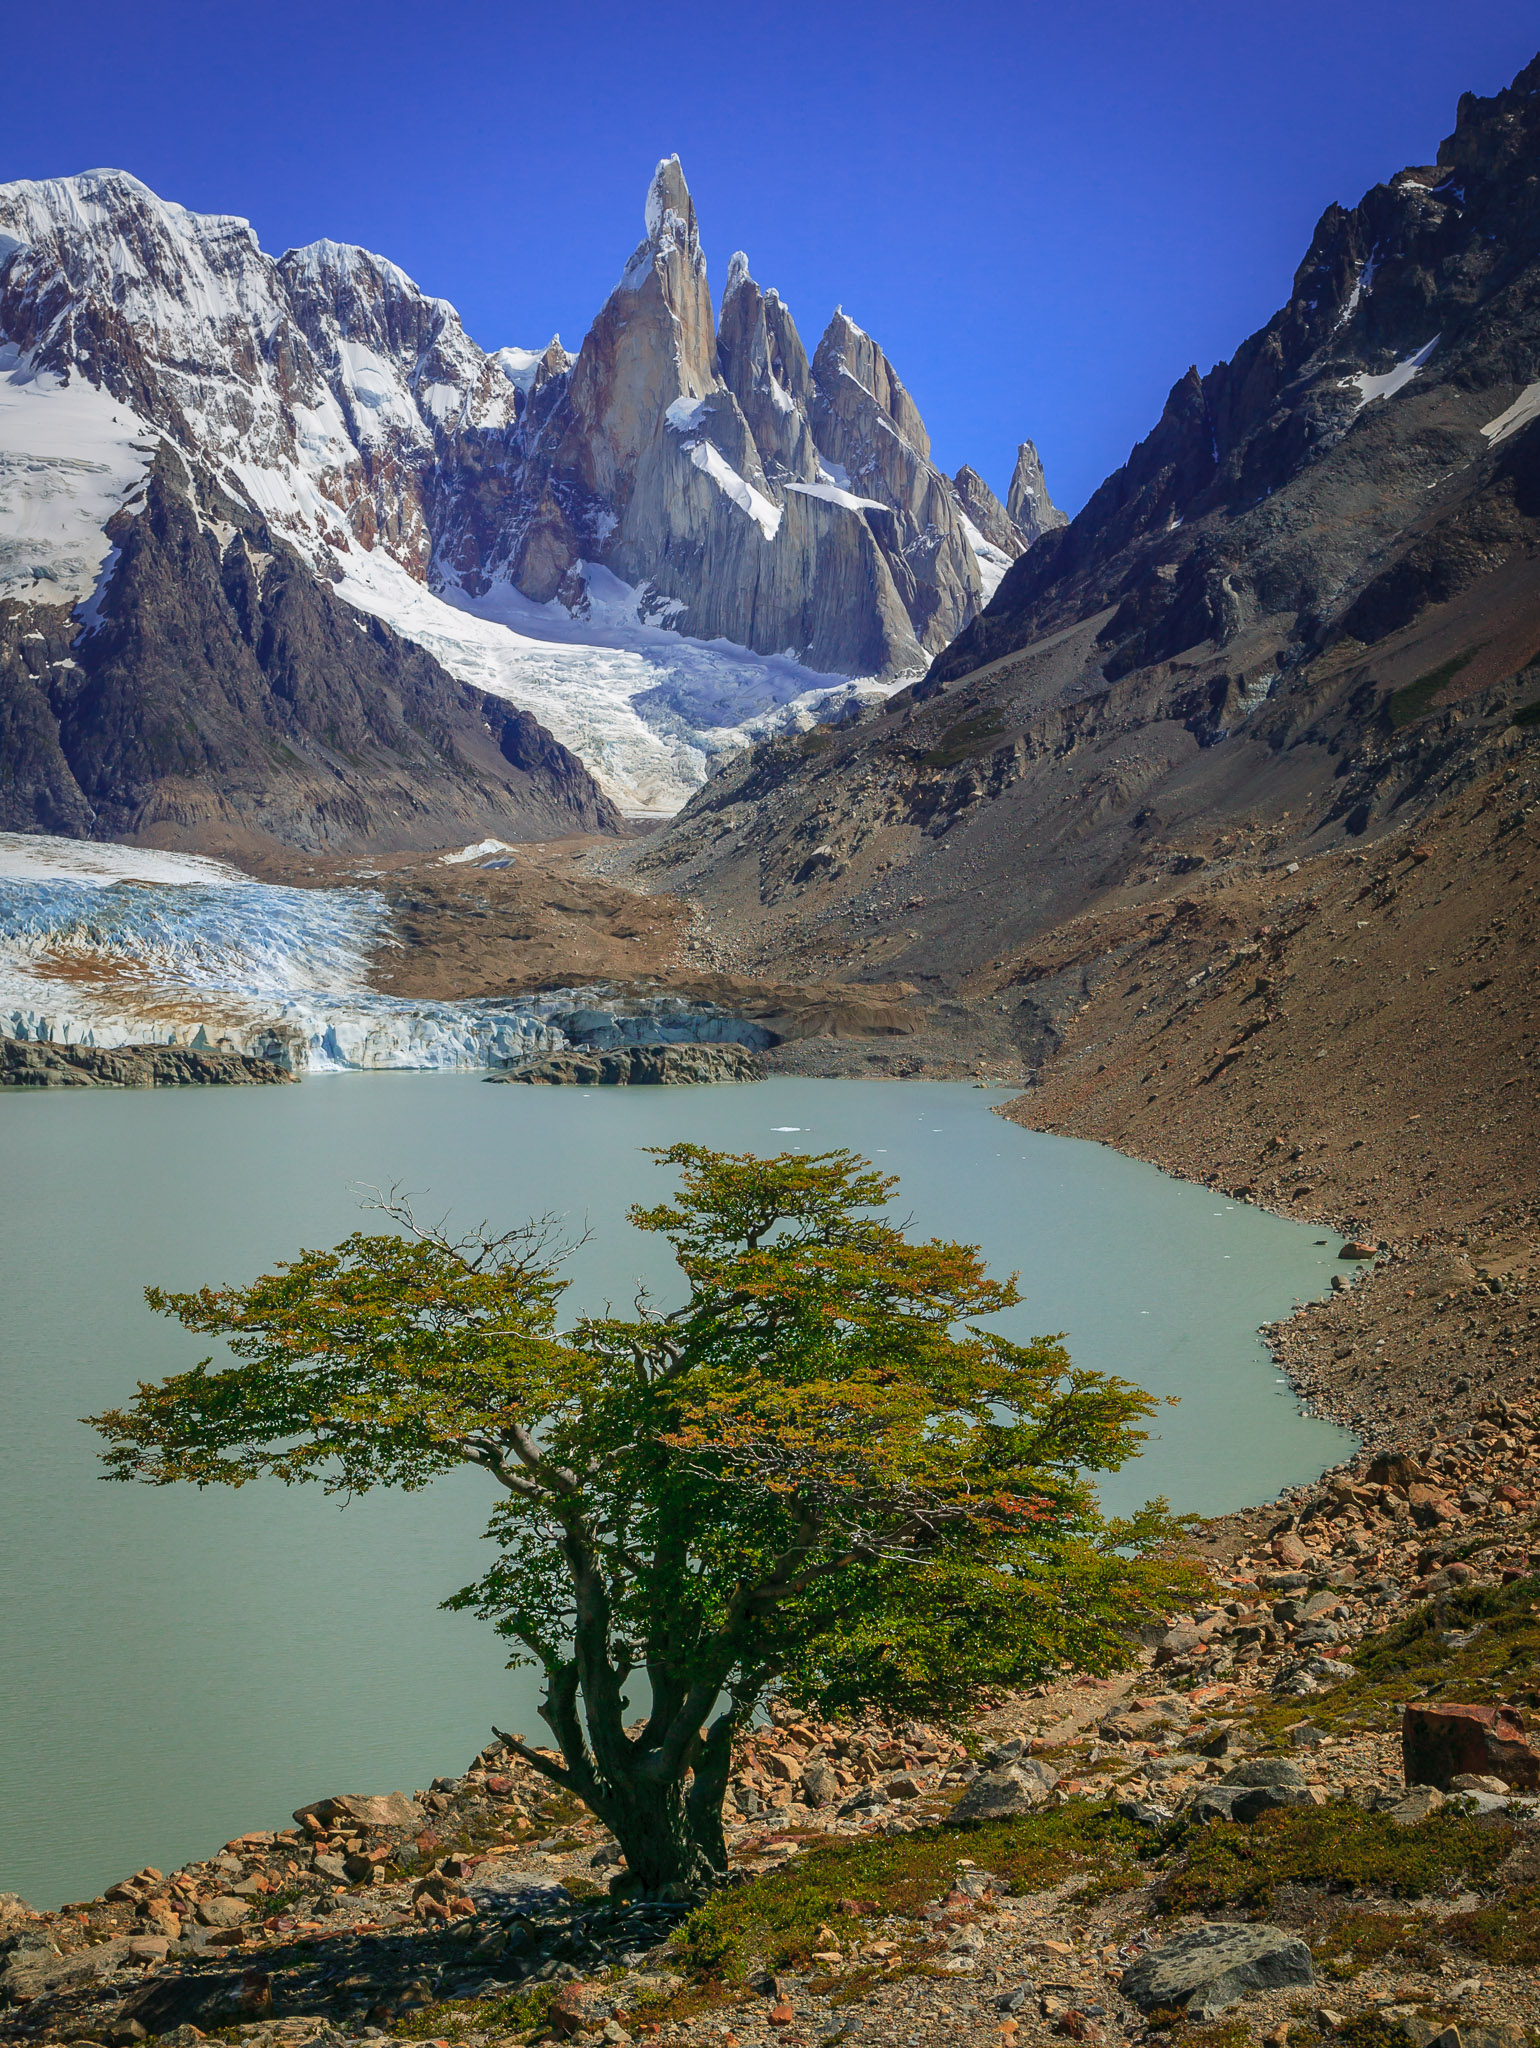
(177, 1667)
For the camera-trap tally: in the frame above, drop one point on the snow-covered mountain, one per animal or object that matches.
(661, 546)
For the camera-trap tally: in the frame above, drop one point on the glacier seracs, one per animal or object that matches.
(118, 945)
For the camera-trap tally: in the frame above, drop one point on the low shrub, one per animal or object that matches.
(968, 737)
(1341, 1847)
(1411, 1661)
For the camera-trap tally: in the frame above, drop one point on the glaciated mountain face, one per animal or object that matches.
(1334, 476)
(749, 493)
(567, 532)
(188, 432)
(223, 695)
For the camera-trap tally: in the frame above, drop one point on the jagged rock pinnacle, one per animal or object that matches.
(1027, 502)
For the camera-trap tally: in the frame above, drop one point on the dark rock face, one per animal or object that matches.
(638, 1066)
(1307, 607)
(1028, 506)
(983, 508)
(32, 1065)
(225, 688)
(1434, 276)
(352, 417)
(776, 501)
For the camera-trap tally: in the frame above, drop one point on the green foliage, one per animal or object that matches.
(775, 1919)
(1231, 2033)
(820, 1475)
(961, 741)
(1528, 715)
(1506, 1932)
(513, 2012)
(1340, 1846)
(1358, 1941)
(1371, 2030)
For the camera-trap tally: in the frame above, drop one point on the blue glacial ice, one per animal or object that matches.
(278, 972)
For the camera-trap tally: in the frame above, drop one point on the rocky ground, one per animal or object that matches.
(1351, 1040)
(1056, 1869)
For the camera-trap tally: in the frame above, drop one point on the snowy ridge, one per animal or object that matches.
(338, 399)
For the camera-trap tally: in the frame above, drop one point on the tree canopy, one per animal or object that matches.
(821, 1475)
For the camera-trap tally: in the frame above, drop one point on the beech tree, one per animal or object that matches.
(818, 1477)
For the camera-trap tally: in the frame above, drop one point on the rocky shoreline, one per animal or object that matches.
(1409, 1574)
(479, 1908)
(31, 1064)
(636, 1066)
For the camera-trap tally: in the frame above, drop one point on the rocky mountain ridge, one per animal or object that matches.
(225, 696)
(751, 491)
(1305, 611)
(487, 506)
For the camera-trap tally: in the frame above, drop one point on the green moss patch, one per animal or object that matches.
(774, 1919)
(1412, 701)
(1507, 1932)
(1357, 1941)
(1340, 1847)
(516, 2012)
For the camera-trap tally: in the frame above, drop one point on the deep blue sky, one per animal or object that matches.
(1043, 212)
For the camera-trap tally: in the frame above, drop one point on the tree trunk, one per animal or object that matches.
(672, 1841)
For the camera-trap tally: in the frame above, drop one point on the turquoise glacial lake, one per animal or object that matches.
(177, 1667)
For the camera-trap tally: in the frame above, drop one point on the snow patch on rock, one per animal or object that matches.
(1371, 387)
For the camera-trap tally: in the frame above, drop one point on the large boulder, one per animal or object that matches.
(1440, 1743)
(1005, 1794)
(820, 1785)
(1265, 1770)
(1214, 1802)
(363, 1810)
(1259, 1799)
(1252, 1789)
(225, 1911)
(1204, 1972)
(31, 1967)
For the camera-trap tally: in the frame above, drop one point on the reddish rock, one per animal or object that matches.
(1429, 1506)
(781, 2014)
(1289, 1551)
(569, 2013)
(1440, 1742)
